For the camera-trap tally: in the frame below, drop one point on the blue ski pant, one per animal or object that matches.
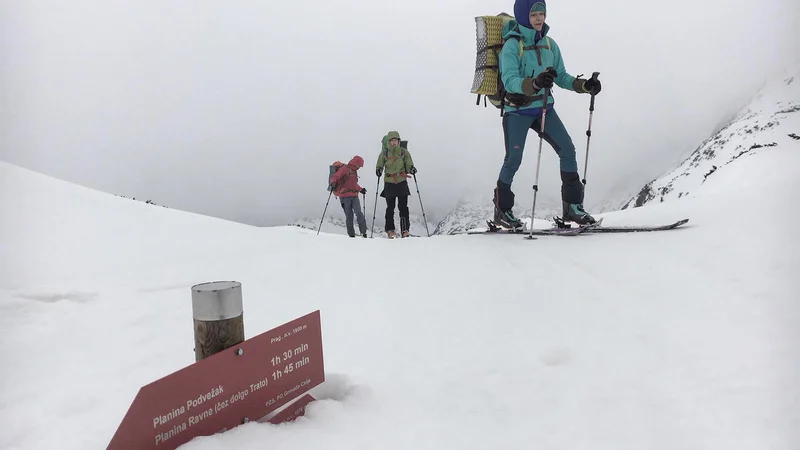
(515, 131)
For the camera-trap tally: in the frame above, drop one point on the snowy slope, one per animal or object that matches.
(679, 340)
(771, 120)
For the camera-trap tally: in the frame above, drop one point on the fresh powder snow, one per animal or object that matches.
(684, 339)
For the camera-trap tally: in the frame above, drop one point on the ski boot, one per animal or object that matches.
(573, 212)
(391, 234)
(503, 203)
(506, 219)
(363, 235)
(404, 234)
(572, 191)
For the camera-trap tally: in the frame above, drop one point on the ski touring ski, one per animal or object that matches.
(638, 229)
(555, 231)
(561, 229)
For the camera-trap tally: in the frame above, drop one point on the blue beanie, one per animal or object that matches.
(523, 9)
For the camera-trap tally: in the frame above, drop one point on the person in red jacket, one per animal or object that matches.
(345, 186)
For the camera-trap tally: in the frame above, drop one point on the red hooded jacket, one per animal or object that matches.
(346, 178)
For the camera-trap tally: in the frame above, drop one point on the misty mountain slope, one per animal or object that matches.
(770, 121)
(465, 216)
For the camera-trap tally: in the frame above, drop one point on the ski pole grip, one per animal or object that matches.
(591, 101)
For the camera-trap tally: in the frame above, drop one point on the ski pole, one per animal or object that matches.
(375, 208)
(324, 211)
(589, 129)
(538, 160)
(420, 206)
(364, 196)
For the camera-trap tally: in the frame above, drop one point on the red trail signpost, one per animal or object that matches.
(240, 384)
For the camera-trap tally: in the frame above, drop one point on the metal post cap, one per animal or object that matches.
(217, 300)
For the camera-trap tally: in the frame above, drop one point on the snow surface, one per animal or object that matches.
(686, 339)
(683, 339)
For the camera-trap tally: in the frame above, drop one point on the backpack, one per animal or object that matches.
(332, 169)
(487, 81)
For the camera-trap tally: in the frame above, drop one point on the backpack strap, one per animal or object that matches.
(504, 92)
(348, 173)
(501, 90)
(402, 156)
(521, 48)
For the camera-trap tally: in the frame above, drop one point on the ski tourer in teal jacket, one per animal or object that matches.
(530, 61)
(540, 52)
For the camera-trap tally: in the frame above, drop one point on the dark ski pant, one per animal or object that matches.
(402, 207)
(515, 132)
(352, 206)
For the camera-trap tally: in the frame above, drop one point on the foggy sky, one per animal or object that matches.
(235, 109)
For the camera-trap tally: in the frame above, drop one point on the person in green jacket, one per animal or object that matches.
(395, 164)
(525, 78)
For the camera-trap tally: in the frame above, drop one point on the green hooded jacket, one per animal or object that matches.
(395, 162)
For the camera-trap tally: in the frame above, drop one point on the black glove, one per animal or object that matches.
(545, 79)
(378, 172)
(592, 86)
(531, 86)
(333, 185)
(363, 190)
(413, 170)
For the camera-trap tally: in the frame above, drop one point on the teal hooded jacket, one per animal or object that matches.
(540, 52)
